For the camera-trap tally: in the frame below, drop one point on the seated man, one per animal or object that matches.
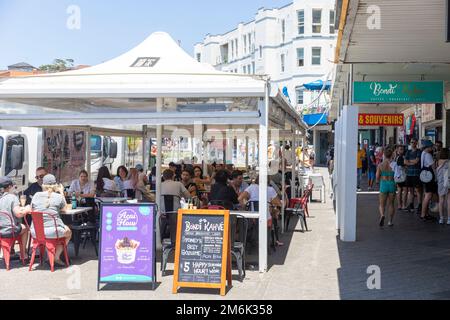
(172, 191)
(252, 194)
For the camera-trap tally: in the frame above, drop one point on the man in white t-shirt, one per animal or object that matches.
(252, 194)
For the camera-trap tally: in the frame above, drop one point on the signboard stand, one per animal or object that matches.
(202, 250)
(127, 244)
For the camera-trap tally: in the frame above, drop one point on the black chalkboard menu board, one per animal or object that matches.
(202, 257)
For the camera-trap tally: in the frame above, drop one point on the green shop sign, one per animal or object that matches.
(398, 92)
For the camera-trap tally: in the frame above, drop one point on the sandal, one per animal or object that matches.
(382, 221)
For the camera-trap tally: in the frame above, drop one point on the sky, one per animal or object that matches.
(39, 31)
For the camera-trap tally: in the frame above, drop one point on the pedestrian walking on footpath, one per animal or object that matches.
(430, 187)
(385, 177)
(413, 183)
(442, 174)
(400, 178)
(372, 166)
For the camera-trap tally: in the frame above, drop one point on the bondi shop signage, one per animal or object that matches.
(381, 120)
(398, 92)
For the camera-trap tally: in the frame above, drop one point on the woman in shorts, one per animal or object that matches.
(385, 177)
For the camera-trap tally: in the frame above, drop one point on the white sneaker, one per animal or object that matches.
(441, 221)
(448, 221)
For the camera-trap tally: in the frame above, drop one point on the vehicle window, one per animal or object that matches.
(13, 141)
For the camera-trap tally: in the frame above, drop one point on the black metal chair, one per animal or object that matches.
(167, 228)
(254, 206)
(239, 228)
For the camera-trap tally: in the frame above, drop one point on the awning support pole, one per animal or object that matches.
(263, 212)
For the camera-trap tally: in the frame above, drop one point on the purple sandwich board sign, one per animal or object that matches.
(127, 244)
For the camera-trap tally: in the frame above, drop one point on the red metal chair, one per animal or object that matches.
(8, 243)
(40, 241)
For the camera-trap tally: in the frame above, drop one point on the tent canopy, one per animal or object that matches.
(132, 83)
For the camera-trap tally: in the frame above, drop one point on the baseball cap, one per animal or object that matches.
(49, 179)
(6, 182)
(427, 143)
(139, 167)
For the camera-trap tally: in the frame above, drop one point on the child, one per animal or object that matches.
(443, 184)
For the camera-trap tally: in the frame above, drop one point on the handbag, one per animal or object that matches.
(401, 177)
(426, 175)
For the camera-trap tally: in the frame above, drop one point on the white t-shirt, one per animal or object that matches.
(253, 191)
(109, 185)
(88, 188)
(426, 159)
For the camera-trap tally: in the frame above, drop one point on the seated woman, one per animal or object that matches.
(82, 186)
(120, 178)
(105, 186)
(52, 201)
(200, 180)
(9, 203)
(222, 192)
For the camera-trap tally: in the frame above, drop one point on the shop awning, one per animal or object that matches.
(318, 85)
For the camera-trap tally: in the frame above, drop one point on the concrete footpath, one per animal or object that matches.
(413, 258)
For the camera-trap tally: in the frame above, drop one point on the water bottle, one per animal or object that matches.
(74, 201)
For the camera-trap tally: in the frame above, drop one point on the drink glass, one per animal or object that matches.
(23, 200)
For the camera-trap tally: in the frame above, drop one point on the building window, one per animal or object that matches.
(244, 69)
(283, 60)
(199, 57)
(253, 68)
(317, 21)
(235, 70)
(236, 47)
(299, 92)
(283, 31)
(316, 56)
(332, 22)
(260, 52)
(301, 21)
(250, 43)
(232, 50)
(245, 44)
(300, 57)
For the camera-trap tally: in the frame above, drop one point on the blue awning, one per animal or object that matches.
(316, 118)
(318, 85)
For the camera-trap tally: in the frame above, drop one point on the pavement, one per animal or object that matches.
(411, 261)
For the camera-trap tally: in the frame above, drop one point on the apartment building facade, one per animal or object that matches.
(294, 45)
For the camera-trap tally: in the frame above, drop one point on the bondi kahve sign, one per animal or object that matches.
(398, 92)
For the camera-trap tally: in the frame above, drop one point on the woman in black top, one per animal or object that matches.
(221, 191)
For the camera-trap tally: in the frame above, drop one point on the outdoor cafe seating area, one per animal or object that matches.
(82, 216)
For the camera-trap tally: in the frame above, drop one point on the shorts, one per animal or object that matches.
(431, 187)
(9, 235)
(443, 190)
(402, 185)
(371, 174)
(387, 186)
(413, 182)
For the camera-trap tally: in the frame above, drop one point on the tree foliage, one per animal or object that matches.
(58, 65)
